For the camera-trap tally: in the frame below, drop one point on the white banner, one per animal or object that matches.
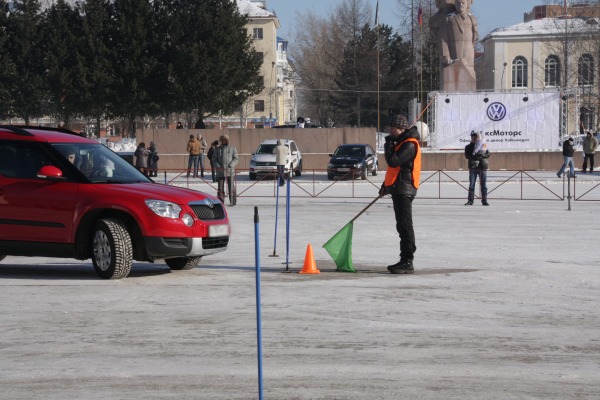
(507, 121)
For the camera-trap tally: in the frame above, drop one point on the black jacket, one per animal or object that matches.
(404, 158)
(568, 149)
(476, 161)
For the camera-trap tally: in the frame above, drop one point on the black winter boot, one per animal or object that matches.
(402, 267)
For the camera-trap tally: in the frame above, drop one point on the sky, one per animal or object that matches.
(490, 14)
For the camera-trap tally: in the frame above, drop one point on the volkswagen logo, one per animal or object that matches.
(496, 111)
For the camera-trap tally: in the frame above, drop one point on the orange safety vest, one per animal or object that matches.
(392, 172)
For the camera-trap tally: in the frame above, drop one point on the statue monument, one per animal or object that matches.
(455, 29)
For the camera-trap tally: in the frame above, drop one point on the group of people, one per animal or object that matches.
(590, 144)
(146, 160)
(223, 158)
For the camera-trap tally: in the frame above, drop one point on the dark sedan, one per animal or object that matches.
(352, 160)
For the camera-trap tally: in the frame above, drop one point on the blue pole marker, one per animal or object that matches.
(258, 314)
(287, 224)
(276, 219)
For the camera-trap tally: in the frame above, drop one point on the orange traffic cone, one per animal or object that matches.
(310, 267)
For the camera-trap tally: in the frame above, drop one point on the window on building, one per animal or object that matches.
(552, 71)
(519, 72)
(291, 94)
(586, 116)
(585, 70)
(259, 105)
(257, 34)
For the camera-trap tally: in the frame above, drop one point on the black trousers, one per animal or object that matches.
(231, 190)
(404, 225)
(585, 161)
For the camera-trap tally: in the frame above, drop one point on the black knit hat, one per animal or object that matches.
(399, 121)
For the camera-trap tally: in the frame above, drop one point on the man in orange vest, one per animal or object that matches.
(403, 156)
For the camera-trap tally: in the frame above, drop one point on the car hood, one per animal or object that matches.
(345, 160)
(157, 191)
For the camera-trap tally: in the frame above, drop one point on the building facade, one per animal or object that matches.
(276, 104)
(556, 53)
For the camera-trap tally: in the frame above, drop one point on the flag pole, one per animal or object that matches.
(421, 51)
(378, 74)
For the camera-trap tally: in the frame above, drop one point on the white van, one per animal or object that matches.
(263, 159)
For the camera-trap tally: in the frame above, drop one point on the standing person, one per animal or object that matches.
(403, 156)
(193, 149)
(203, 146)
(210, 155)
(300, 122)
(282, 153)
(590, 144)
(225, 159)
(152, 160)
(567, 153)
(179, 125)
(478, 166)
(141, 158)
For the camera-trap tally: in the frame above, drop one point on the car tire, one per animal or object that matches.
(298, 171)
(374, 170)
(182, 263)
(363, 173)
(252, 176)
(112, 251)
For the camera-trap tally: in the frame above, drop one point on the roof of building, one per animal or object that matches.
(546, 26)
(252, 10)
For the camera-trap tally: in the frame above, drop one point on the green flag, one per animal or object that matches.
(339, 248)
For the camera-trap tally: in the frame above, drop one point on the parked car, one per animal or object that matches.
(64, 195)
(263, 163)
(352, 160)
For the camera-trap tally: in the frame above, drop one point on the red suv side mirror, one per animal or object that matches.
(49, 172)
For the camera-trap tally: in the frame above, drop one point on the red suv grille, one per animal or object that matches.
(206, 213)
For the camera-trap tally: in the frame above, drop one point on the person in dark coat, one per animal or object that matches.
(152, 160)
(478, 166)
(403, 156)
(567, 153)
(141, 158)
(210, 155)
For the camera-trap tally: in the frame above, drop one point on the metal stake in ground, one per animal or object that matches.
(258, 309)
(569, 191)
(276, 220)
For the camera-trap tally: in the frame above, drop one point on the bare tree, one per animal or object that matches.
(318, 48)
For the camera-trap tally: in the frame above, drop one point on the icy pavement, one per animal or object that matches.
(503, 305)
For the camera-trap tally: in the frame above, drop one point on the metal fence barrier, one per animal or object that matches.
(502, 185)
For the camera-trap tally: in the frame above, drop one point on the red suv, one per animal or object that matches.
(63, 195)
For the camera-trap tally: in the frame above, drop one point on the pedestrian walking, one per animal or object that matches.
(567, 153)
